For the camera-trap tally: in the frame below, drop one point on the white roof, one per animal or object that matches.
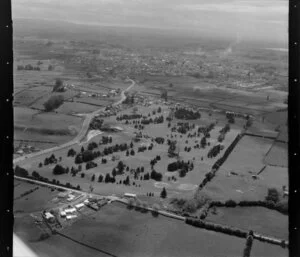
(130, 195)
(71, 210)
(71, 217)
(86, 201)
(79, 205)
(48, 215)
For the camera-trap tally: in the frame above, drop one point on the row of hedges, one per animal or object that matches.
(217, 228)
(27, 192)
(210, 175)
(282, 208)
(227, 152)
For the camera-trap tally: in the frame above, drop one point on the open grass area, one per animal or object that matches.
(138, 234)
(36, 201)
(278, 155)
(258, 219)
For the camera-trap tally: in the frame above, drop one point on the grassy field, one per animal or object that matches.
(258, 219)
(35, 201)
(138, 234)
(278, 155)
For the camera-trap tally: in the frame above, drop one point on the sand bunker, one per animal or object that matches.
(93, 133)
(187, 187)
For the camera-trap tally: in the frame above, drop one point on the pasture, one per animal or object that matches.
(258, 219)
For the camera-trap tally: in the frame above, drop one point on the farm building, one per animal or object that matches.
(49, 217)
(69, 217)
(71, 210)
(62, 214)
(129, 195)
(71, 197)
(79, 206)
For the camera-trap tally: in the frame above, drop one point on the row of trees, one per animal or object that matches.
(185, 114)
(215, 150)
(28, 67)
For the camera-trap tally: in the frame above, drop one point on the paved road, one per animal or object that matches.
(81, 134)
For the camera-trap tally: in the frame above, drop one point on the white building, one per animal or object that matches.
(63, 214)
(79, 206)
(69, 217)
(129, 195)
(48, 215)
(71, 210)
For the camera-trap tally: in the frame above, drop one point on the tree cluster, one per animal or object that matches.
(90, 165)
(50, 160)
(53, 102)
(58, 170)
(156, 175)
(19, 171)
(185, 114)
(132, 116)
(28, 67)
(96, 124)
(215, 150)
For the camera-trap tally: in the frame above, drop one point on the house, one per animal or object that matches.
(63, 214)
(49, 217)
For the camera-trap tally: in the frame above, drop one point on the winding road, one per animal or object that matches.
(81, 134)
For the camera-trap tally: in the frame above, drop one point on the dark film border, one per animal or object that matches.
(294, 127)
(6, 130)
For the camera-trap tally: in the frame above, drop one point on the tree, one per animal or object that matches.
(164, 94)
(92, 146)
(35, 174)
(107, 178)
(93, 177)
(114, 172)
(58, 86)
(82, 175)
(273, 195)
(40, 165)
(100, 178)
(53, 102)
(126, 181)
(163, 193)
(78, 159)
(132, 152)
(58, 170)
(71, 152)
(203, 142)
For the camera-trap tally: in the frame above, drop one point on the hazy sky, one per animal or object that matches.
(243, 19)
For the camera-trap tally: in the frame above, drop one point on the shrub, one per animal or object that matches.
(230, 203)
